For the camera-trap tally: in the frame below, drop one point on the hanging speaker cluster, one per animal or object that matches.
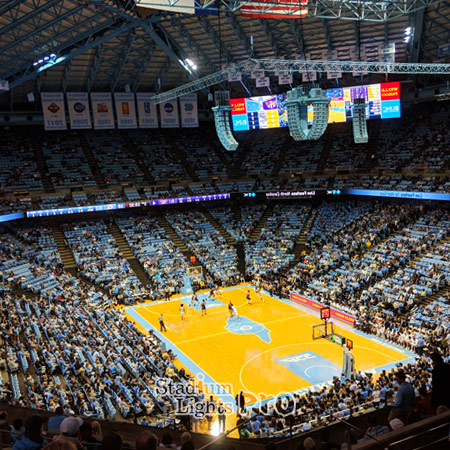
(360, 134)
(222, 120)
(297, 108)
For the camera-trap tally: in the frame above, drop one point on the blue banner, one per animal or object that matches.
(399, 194)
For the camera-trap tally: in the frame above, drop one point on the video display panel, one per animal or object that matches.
(269, 111)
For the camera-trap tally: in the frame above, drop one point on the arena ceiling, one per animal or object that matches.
(103, 45)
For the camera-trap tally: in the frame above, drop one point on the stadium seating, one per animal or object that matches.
(273, 249)
(66, 163)
(99, 259)
(159, 256)
(215, 254)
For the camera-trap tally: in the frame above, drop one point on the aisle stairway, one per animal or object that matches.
(41, 164)
(255, 234)
(64, 251)
(327, 146)
(371, 148)
(182, 159)
(95, 169)
(435, 295)
(216, 225)
(132, 150)
(163, 223)
(300, 243)
(128, 254)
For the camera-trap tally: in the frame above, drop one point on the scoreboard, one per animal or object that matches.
(253, 113)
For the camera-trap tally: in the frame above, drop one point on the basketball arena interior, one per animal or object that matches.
(224, 224)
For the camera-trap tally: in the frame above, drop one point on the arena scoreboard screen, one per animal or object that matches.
(269, 111)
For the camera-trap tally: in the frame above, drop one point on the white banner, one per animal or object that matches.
(169, 114)
(125, 110)
(257, 74)
(386, 53)
(262, 82)
(284, 78)
(53, 109)
(78, 104)
(334, 75)
(309, 76)
(102, 109)
(4, 85)
(148, 115)
(189, 111)
(234, 76)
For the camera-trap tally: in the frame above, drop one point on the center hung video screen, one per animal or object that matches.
(269, 111)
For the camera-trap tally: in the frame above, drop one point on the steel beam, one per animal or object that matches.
(297, 32)
(243, 38)
(215, 38)
(326, 30)
(82, 47)
(41, 9)
(273, 65)
(270, 36)
(143, 67)
(416, 41)
(126, 49)
(366, 10)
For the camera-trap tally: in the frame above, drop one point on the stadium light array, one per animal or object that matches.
(407, 34)
(50, 59)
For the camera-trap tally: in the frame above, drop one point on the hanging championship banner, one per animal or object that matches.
(102, 109)
(53, 109)
(257, 74)
(234, 76)
(189, 111)
(262, 82)
(309, 76)
(79, 115)
(284, 78)
(169, 114)
(125, 110)
(334, 75)
(386, 53)
(148, 115)
(4, 85)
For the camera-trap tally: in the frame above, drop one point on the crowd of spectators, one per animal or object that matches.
(212, 250)
(160, 257)
(18, 168)
(99, 259)
(66, 163)
(240, 228)
(274, 246)
(115, 162)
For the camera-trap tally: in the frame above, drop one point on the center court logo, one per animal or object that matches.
(298, 358)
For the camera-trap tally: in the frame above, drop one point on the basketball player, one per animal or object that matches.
(258, 291)
(230, 308)
(218, 292)
(203, 307)
(182, 312)
(248, 297)
(194, 300)
(162, 327)
(212, 293)
(234, 312)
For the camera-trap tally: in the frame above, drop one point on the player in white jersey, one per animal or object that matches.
(182, 312)
(258, 291)
(234, 312)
